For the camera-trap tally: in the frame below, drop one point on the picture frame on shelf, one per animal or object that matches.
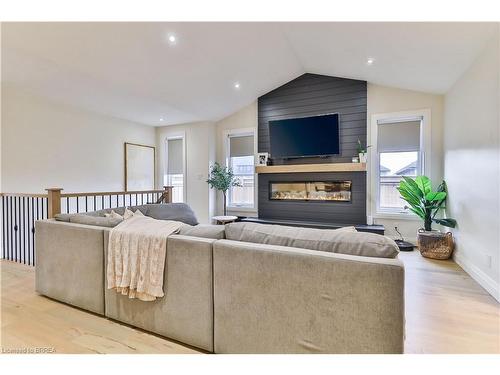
(262, 158)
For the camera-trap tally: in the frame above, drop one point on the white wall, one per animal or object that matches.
(200, 154)
(382, 99)
(244, 118)
(472, 167)
(46, 144)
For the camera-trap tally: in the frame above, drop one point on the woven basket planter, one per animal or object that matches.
(435, 245)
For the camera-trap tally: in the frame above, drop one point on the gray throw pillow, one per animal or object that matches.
(204, 230)
(344, 240)
(171, 211)
(95, 220)
(63, 217)
(118, 210)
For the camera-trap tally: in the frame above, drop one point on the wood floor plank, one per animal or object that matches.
(446, 312)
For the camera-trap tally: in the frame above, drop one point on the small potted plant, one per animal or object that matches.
(426, 204)
(222, 178)
(362, 152)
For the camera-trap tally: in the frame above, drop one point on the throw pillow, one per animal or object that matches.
(127, 214)
(113, 215)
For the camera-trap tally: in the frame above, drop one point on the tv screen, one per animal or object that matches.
(305, 136)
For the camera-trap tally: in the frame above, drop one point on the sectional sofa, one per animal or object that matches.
(240, 288)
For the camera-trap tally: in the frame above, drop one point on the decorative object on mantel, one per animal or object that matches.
(426, 204)
(222, 178)
(355, 159)
(262, 158)
(361, 152)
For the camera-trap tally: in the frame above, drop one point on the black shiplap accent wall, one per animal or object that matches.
(310, 95)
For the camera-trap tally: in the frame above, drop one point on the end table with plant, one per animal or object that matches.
(222, 178)
(426, 204)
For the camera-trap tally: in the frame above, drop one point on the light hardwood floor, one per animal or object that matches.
(446, 312)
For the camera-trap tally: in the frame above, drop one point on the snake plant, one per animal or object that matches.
(423, 201)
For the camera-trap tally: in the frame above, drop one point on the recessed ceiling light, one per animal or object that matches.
(161, 119)
(236, 85)
(172, 39)
(370, 61)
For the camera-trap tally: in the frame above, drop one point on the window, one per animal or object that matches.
(240, 158)
(175, 168)
(399, 154)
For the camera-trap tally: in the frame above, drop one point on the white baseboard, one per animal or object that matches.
(482, 279)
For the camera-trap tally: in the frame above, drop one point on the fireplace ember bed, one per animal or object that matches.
(321, 191)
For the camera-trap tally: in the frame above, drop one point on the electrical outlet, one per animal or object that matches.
(488, 260)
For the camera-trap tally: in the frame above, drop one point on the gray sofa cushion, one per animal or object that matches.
(344, 240)
(171, 211)
(216, 232)
(95, 220)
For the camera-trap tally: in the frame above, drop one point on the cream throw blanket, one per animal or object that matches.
(136, 256)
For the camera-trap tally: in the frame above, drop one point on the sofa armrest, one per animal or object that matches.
(70, 263)
(274, 299)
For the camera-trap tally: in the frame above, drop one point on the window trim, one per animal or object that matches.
(424, 115)
(180, 135)
(241, 132)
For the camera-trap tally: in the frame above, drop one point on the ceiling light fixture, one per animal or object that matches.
(370, 61)
(172, 39)
(161, 119)
(237, 85)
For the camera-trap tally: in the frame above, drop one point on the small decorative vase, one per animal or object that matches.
(362, 157)
(355, 159)
(434, 244)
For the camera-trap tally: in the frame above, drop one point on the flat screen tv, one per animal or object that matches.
(305, 136)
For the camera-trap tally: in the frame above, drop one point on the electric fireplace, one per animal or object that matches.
(323, 191)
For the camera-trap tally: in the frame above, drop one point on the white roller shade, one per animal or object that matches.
(175, 164)
(398, 136)
(241, 146)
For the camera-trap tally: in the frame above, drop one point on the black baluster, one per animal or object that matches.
(4, 232)
(23, 220)
(9, 227)
(15, 229)
(32, 229)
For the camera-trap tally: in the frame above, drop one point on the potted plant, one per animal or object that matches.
(222, 178)
(361, 152)
(426, 204)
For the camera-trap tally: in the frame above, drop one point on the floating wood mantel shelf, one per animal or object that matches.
(305, 168)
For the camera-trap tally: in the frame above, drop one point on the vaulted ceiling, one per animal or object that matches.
(132, 70)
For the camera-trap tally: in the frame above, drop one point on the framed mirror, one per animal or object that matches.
(140, 167)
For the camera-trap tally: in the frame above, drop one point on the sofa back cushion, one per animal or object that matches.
(344, 240)
(171, 211)
(99, 221)
(215, 232)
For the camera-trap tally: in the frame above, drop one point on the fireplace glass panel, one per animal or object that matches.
(336, 191)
